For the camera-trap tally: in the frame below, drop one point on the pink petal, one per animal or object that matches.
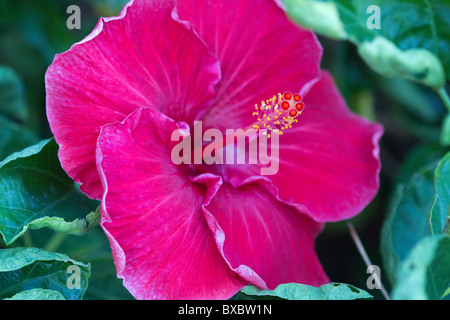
(328, 162)
(265, 241)
(151, 212)
(143, 58)
(261, 54)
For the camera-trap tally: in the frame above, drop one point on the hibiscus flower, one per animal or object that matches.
(205, 231)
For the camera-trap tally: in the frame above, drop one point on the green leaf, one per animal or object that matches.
(425, 273)
(413, 40)
(420, 102)
(445, 135)
(108, 7)
(37, 193)
(24, 269)
(418, 159)
(38, 294)
(408, 219)
(12, 95)
(13, 107)
(94, 248)
(419, 209)
(13, 138)
(296, 291)
(440, 213)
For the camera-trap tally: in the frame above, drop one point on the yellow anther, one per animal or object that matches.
(273, 114)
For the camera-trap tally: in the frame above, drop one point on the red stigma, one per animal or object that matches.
(297, 97)
(299, 106)
(287, 96)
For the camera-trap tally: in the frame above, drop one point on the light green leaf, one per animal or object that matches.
(322, 17)
(418, 65)
(93, 219)
(425, 273)
(295, 291)
(410, 32)
(24, 269)
(37, 193)
(38, 294)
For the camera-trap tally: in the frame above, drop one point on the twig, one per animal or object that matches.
(444, 97)
(55, 241)
(365, 257)
(27, 240)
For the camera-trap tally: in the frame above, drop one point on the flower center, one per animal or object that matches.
(274, 117)
(278, 114)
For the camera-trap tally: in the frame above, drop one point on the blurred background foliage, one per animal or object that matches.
(33, 31)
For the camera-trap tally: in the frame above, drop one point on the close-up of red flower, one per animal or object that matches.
(206, 231)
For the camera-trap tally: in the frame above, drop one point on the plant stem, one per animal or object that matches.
(365, 257)
(55, 241)
(446, 228)
(27, 241)
(444, 97)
